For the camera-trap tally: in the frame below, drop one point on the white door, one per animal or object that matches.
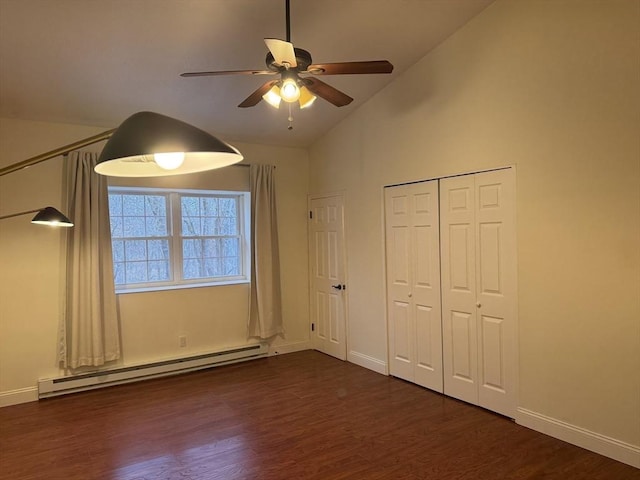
(327, 271)
(413, 283)
(479, 289)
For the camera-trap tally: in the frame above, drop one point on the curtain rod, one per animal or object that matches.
(57, 152)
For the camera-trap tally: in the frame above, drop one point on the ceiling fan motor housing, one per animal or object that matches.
(303, 59)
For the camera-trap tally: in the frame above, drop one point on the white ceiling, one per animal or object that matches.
(95, 62)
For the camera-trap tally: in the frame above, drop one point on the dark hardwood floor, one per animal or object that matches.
(297, 416)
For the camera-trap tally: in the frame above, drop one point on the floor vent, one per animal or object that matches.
(52, 387)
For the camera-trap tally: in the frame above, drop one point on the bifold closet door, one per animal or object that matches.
(413, 283)
(477, 219)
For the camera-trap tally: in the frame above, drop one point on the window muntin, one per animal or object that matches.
(177, 238)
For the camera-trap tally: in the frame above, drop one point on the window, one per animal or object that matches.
(178, 238)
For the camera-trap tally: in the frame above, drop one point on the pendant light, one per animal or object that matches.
(148, 144)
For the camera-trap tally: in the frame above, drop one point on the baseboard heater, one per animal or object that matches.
(52, 387)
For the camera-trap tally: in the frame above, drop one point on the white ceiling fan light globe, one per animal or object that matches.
(169, 160)
(290, 92)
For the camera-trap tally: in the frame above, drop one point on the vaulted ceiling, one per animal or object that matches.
(95, 62)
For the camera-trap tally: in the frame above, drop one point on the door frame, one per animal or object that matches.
(345, 294)
(516, 346)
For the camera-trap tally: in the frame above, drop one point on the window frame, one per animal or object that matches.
(174, 228)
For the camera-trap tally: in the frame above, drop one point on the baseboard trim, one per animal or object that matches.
(20, 395)
(289, 348)
(368, 362)
(607, 446)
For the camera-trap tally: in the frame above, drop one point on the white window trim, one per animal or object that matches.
(175, 239)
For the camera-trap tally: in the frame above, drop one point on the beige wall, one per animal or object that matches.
(552, 88)
(31, 283)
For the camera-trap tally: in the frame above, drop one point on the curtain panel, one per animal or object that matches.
(265, 312)
(89, 333)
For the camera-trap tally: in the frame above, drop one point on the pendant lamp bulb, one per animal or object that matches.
(169, 161)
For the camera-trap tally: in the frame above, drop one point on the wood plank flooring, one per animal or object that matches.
(298, 416)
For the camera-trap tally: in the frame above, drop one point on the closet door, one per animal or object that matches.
(478, 289)
(413, 283)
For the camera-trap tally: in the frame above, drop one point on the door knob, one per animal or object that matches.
(337, 287)
(410, 295)
(478, 304)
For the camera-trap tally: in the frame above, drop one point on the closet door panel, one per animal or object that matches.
(496, 274)
(413, 280)
(459, 323)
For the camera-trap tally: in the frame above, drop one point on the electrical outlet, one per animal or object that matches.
(182, 340)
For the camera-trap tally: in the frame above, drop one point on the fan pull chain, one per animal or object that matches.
(290, 127)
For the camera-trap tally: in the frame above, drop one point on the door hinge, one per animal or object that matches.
(310, 214)
(313, 327)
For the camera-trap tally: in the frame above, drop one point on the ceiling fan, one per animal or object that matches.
(292, 66)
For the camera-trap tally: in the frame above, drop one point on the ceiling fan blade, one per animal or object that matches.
(330, 94)
(256, 96)
(351, 68)
(282, 51)
(228, 72)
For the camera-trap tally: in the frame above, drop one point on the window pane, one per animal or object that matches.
(190, 206)
(192, 248)
(158, 249)
(212, 247)
(116, 227)
(117, 248)
(209, 206)
(158, 271)
(210, 226)
(156, 226)
(118, 273)
(226, 226)
(212, 267)
(192, 268)
(230, 266)
(191, 227)
(227, 207)
(155, 206)
(133, 226)
(230, 247)
(133, 205)
(136, 272)
(115, 204)
(135, 250)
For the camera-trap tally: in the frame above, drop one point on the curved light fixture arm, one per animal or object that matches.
(20, 213)
(57, 152)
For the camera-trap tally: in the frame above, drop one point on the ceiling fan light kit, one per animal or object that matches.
(293, 65)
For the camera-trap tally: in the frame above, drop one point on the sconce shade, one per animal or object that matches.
(53, 217)
(45, 216)
(130, 150)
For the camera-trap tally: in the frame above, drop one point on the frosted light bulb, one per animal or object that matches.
(169, 161)
(289, 90)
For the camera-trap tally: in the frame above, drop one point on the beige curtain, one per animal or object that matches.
(265, 313)
(90, 330)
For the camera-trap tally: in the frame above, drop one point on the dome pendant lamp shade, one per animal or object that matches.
(180, 148)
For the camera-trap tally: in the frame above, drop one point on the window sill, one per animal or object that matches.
(157, 288)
